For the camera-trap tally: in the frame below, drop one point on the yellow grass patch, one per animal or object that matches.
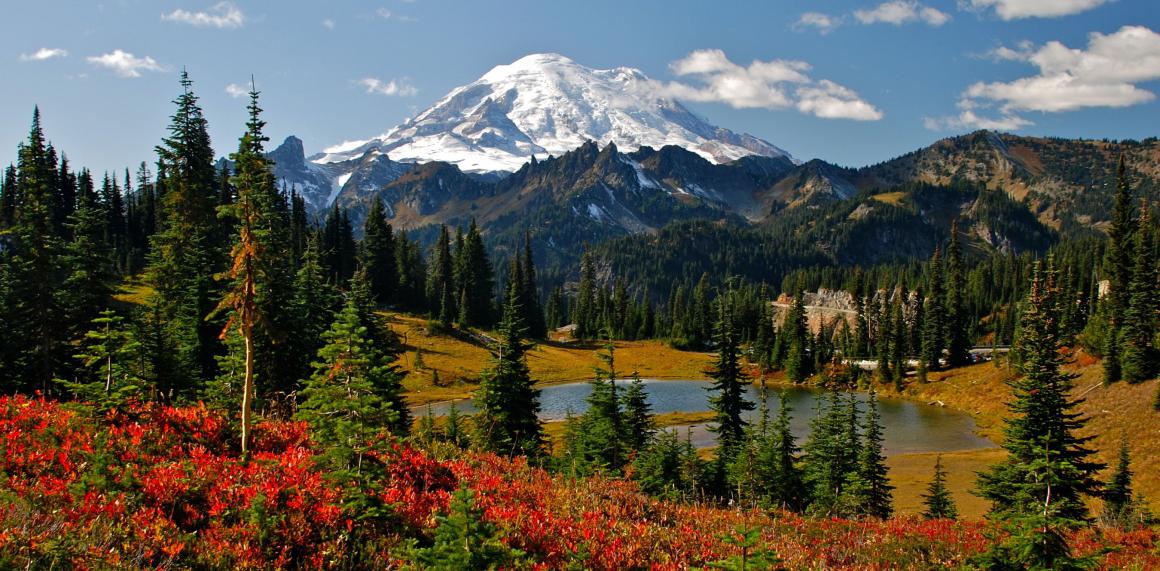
(911, 474)
(456, 361)
(894, 198)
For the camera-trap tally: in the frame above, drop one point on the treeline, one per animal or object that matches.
(173, 236)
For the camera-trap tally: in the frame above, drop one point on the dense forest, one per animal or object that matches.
(199, 374)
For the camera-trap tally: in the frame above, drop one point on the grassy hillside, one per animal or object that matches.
(447, 365)
(1115, 412)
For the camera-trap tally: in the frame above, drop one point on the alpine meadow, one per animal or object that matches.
(579, 312)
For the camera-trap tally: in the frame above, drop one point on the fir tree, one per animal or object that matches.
(728, 401)
(378, 254)
(465, 541)
(352, 396)
(507, 400)
(533, 313)
(1118, 264)
(957, 342)
(36, 274)
(583, 314)
(1140, 359)
(867, 488)
(1043, 428)
(779, 457)
(637, 419)
(797, 362)
(598, 439)
(109, 361)
(937, 499)
(1118, 501)
(441, 280)
(185, 254)
(934, 313)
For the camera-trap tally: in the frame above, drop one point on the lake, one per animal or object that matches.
(907, 426)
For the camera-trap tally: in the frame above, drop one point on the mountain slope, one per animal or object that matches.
(547, 104)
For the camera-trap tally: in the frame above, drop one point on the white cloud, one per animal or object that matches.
(823, 23)
(829, 100)
(328, 24)
(1106, 74)
(899, 12)
(775, 84)
(220, 15)
(44, 54)
(394, 87)
(234, 90)
(1016, 9)
(384, 13)
(125, 64)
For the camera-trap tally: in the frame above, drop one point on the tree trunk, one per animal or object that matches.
(247, 392)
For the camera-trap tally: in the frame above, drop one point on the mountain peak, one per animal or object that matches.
(547, 104)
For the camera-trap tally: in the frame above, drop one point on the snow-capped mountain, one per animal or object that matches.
(547, 104)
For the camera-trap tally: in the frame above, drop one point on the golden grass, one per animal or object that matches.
(134, 292)
(911, 473)
(458, 360)
(894, 198)
(1114, 412)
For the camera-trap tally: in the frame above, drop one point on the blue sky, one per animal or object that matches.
(887, 77)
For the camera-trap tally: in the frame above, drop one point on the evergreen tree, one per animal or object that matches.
(1041, 436)
(867, 488)
(464, 541)
(338, 246)
(1118, 501)
(668, 468)
(352, 396)
(957, 342)
(824, 468)
(1140, 359)
(475, 282)
(441, 280)
(507, 400)
(583, 315)
(186, 253)
(779, 457)
(378, 254)
(108, 359)
(37, 274)
(937, 499)
(313, 309)
(597, 437)
(797, 363)
(87, 259)
(555, 314)
(1118, 265)
(533, 312)
(728, 401)
(637, 419)
(934, 314)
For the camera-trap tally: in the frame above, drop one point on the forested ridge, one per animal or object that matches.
(199, 374)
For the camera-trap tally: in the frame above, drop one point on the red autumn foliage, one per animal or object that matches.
(156, 487)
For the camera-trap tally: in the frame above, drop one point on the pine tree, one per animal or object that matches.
(37, 274)
(867, 488)
(108, 359)
(779, 457)
(350, 399)
(186, 253)
(598, 437)
(247, 272)
(1118, 264)
(533, 313)
(824, 467)
(1118, 501)
(507, 400)
(934, 314)
(728, 401)
(637, 420)
(1139, 358)
(378, 254)
(583, 315)
(338, 246)
(475, 281)
(937, 499)
(1044, 426)
(313, 309)
(957, 342)
(441, 280)
(797, 363)
(465, 541)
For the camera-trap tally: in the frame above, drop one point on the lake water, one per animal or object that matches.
(908, 426)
